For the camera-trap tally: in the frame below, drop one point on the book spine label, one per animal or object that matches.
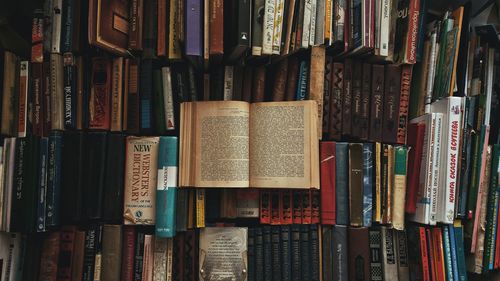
(391, 103)
(335, 122)
(56, 92)
(140, 180)
(389, 254)
(56, 22)
(257, 27)
(42, 185)
(302, 80)
(54, 179)
(37, 37)
(99, 104)
(166, 187)
(117, 95)
(328, 169)
(22, 121)
(70, 94)
(404, 103)
(347, 98)
(136, 25)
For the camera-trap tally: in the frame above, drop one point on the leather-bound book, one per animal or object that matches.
(216, 26)
(109, 25)
(111, 252)
(359, 254)
(248, 73)
(50, 257)
(128, 251)
(327, 93)
(391, 103)
(66, 253)
(280, 80)
(135, 25)
(317, 81)
(335, 122)
(347, 98)
(356, 104)
(78, 254)
(416, 132)
(292, 76)
(133, 98)
(100, 94)
(161, 42)
(377, 103)
(364, 115)
(404, 103)
(356, 184)
(340, 253)
(259, 78)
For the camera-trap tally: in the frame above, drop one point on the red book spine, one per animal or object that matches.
(287, 203)
(216, 27)
(415, 142)
(412, 35)
(328, 168)
(275, 207)
(133, 98)
(37, 37)
(315, 197)
(423, 252)
(100, 94)
(306, 207)
(265, 205)
(297, 207)
(404, 103)
(127, 271)
(438, 254)
(50, 257)
(66, 251)
(431, 253)
(162, 27)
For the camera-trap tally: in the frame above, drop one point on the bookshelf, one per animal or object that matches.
(249, 140)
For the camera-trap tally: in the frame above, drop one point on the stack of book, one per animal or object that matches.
(251, 140)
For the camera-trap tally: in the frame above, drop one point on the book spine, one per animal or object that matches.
(168, 99)
(56, 92)
(42, 185)
(46, 92)
(492, 211)
(70, 94)
(327, 93)
(89, 254)
(161, 45)
(278, 26)
(356, 103)
(259, 254)
(99, 104)
(216, 26)
(127, 266)
(312, 27)
(358, 253)
(139, 206)
(306, 24)
(147, 262)
(117, 95)
(437, 146)
(166, 187)
(276, 254)
(347, 98)
(315, 197)
(259, 84)
(303, 79)
(56, 23)
(37, 92)
(412, 32)
(133, 98)
(340, 253)
(251, 254)
(376, 270)
(335, 122)
(200, 207)
(37, 38)
(265, 207)
(437, 240)
(257, 27)
(24, 89)
(391, 103)
(316, 80)
(54, 179)
(66, 250)
(295, 253)
(447, 254)
(146, 94)
(356, 184)
(276, 207)
(193, 36)
(453, 251)
(400, 168)
(425, 254)
(67, 26)
(368, 156)
(328, 168)
(459, 242)
(389, 254)
(175, 32)
(306, 198)
(402, 255)
(415, 143)
(314, 252)
(305, 259)
(297, 207)
(327, 252)
(341, 184)
(136, 25)
(285, 253)
(286, 203)
(328, 23)
(404, 100)
(139, 256)
(280, 81)
(385, 27)
(364, 116)
(228, 82)
(49, 257)
(268, 255)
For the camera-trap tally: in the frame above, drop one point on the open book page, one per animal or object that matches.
(221, 144)
(284, 145)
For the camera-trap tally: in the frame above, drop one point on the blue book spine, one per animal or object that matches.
(166, 187)
(67, 26)
(146, 90)
(194, 30)
(341, 182)
(367, 183)
(286, 255)
(447, 254)
(421, 27)
(54, 179)
(302, 83)
(453, 249)
(42, 185)
(459, 243)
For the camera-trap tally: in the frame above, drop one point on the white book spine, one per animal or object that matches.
(385, 29)
(306, 25)
(168, 99)
(55, 47)
(278, 26)
(312, 29)
(268, 27)
(228, 82)
(430, 74)
(489, 84)
(436, 168)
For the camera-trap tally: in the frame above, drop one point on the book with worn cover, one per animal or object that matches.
(202, 134)
(340, 253)
(109, 25)
(356, 184)
(111, 252)
(342, 183)
(359, 253)
(398, 203)
(100, 94)
(328, 178)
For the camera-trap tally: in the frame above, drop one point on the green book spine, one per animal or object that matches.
(478, 141)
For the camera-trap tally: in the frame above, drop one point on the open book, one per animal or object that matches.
(238, 144)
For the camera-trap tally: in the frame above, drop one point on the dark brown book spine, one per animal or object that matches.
(78, 253)
(391, 103)
(356, 184)
(335, 123)
(128, 253)
(135, 30)
(37, 92)
(377, 103)
(46, 110)
(161, 46)
(112, 253)
(357, 76)
(404, 103)
(259, 78)
(327, 93)
(280, 81)
(100, 94)
(365, 101)
(347, 98)
(293, 72)
(216, 27)
(80, 68)
(359, 254)
(125, 82)
(66, 253)
(50, 257)
(133, 99)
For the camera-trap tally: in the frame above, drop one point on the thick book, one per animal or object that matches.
(392, 86)
(340, 253)
(111, 252)
(237, 32)
(166, 187)
(398, 202)
(72, 176)
(335, 122)
(114, 178)
(377, 103)
(359, 253)
(136, 17)
(140, 180)
(100, 94)
(356, 184)
(328, 178)
(94, 161)
(108, 25)
(341, 183)
(50, 256)
(416, 132)
(218, 171)
(128, 252)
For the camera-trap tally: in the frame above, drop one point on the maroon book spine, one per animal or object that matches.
(347, 98)
(306, 206)
(291, 80)
(128, 247)
(404, 103)
(377, 103)
(259, 89)
(50, 257)
(100, 94)
(359, 253)
(328, 168)
(276, 208)
(66, 253)
(365, 101)
(356, 79)
(265, 207)
(216, 26)
(286, 197)
(133, 99)
(391, 103)
(415, 142)
(315, 197)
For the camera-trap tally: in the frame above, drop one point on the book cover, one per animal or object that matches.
(335, 122)
(356, 184)
(341, 184)
(359, 253)
(108, 25)
(391, 103)
(340, 253)
(328, 180)
(368, 165)
(140, 179)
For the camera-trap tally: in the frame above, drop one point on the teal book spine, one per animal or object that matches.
(447, 254)
(459, 242)
(302, 83)
(166, 187)
(453, 249)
